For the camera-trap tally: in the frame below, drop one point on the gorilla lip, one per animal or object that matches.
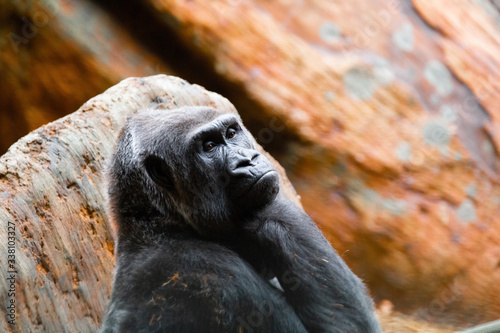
(255, 183)
(260, 177)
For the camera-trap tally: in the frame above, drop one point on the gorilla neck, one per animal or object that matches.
(141, 223)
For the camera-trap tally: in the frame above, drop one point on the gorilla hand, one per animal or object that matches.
(317, 283)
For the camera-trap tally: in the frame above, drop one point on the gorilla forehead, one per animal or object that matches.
(178, 121)
(173, 128)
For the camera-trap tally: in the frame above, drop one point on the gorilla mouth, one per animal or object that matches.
(261, 192)
(262, 176)
(260, 179)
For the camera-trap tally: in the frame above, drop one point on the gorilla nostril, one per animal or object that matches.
(243, 162)
(245, 157)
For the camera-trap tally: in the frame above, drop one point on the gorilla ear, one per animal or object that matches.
(159, 172)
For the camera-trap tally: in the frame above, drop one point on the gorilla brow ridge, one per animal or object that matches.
(220, 122)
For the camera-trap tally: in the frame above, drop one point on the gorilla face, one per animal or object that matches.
(204, 165)
(225, 150)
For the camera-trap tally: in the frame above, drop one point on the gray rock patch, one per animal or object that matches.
(360, 82)
(329, 32)
(436, 133)
(404, 37)
(403, 152)
(438, 75)
(467, 211)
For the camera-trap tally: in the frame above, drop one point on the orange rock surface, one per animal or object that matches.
(56, 55)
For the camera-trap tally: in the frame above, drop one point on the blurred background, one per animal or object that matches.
(384, 113)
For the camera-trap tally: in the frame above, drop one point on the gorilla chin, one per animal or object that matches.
(262, 192)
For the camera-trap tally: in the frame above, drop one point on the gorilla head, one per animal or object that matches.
(193, 166)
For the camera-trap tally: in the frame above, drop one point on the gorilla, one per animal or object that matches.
(205, 241)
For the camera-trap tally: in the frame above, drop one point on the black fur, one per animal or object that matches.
(201, 229)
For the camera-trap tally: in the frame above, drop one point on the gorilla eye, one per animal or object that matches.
(231, 132)
(208, 146)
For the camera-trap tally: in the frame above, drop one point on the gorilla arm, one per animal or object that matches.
(320, 287)
(189, 285)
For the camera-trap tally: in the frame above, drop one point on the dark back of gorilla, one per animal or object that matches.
(202, 229)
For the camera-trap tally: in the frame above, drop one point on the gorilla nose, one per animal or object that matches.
(243, 158)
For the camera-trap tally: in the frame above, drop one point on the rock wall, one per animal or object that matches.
(55, 55)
